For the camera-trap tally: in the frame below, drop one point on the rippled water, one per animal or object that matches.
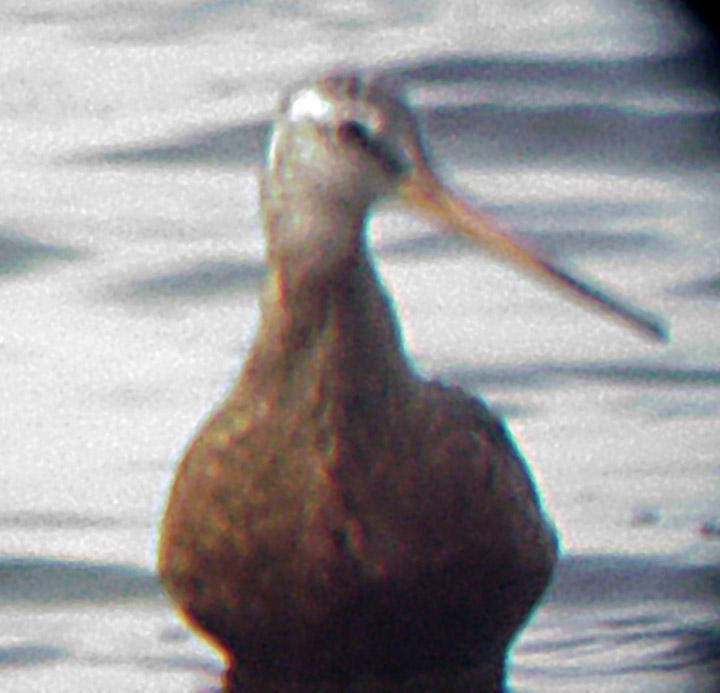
(130, 257)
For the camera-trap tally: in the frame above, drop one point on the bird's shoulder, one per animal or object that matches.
(449, 413)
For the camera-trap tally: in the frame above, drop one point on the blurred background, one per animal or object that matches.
(131, 254)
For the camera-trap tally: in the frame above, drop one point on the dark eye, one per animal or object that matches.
(353, 132)
(359, 135)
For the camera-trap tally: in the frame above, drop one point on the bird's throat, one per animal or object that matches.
(332, 336)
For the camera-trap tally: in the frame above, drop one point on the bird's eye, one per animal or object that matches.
(359, 135)
(354, 132)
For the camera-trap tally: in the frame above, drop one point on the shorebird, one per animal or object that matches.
(340, 523)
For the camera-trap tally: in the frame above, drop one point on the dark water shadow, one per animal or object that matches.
(487, 132)
(576, 243)
(30, 519)
(226, 145)
(200, 281)
(593, 211)
(425, 245)
(549, 374)
(593, 582)
(38, 655)
(585, 579)
(30, 655)
(482, 134)
(561, 243)
(615, 614)
(692, 650)
(581, 579)
(21, 254)
(683, 403)
(704, 288)
(48, 581)
(696, 646)
(210, 279)
(161, 23)
(696, 65)
(152, 663)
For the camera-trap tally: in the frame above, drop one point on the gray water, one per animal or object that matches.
(131, 255)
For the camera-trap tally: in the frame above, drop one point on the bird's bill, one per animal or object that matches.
(422, 191)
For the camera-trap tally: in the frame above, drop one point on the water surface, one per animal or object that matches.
(130, 260)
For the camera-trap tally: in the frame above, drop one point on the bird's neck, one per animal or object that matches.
(328, 336)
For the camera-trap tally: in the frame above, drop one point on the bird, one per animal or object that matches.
(340, 522)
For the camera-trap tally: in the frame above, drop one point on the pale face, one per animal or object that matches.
(338, 144)
(348, 136)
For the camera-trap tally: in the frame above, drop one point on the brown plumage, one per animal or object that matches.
(340, 523)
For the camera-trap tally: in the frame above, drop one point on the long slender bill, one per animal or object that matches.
(424, 192)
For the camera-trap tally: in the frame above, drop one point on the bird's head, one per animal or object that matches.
(343, 141)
